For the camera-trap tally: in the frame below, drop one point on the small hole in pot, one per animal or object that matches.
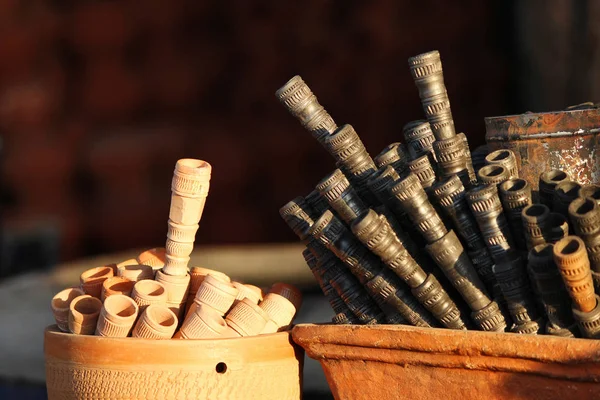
(221, 368)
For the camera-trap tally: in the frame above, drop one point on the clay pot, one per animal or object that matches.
(117, 316)
(136, 272)
(391, 362)
(155, 322)
(116, 285)
(258, 367)
(83, 314)
(60, 306)
(92, 279)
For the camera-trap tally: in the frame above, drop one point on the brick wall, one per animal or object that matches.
(98, 99)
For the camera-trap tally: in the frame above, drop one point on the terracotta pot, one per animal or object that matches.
(404, 362)
(564, 140)
(89, 367)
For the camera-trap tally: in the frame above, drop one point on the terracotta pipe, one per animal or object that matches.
(136, 272)
(116, 285)
(189, 189)
(153, 257)
(177, 290)
(245, 292)
(505, 158)
(155, 322)
(197, 275)
(92, 279)
(572, 261)
(247, 319)
(60, 306)
(215, 293)
(149, 292)
(281, 312)
(290, 292)
(204, 322)
(83, 314)
(117, 316)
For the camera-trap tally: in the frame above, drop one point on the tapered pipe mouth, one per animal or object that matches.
(555, 175)
(95, 274)
(63, 299)
(118, 284)
(84, 306)
(498, 155)
(568, 188)
(568, 246)
(161, 316)
(580, 206)
(191, 166)
(149, 288)
(592, 191)
(492, 170)
(514, 185)
(535, 210)
(120, 306)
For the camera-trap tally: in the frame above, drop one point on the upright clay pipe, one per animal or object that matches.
(117, 316)
(177, 290)
(394, 155)
(353, 159)
(149, 292)
(155, 322)
(83, 314)
(300, 101)
(60, 306)
(419, 138)
(376, 234)
(116, 285)
(298, 216)
(381, 284)
(547, 182)
(585, 216)
(574, 266)
(506, 158)
(189, 189)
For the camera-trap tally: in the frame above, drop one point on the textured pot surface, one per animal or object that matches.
(92, 367)
(404, 362)
(564, 140)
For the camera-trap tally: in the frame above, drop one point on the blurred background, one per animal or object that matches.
(98, 99)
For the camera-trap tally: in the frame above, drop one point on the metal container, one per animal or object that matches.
(564, 140)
